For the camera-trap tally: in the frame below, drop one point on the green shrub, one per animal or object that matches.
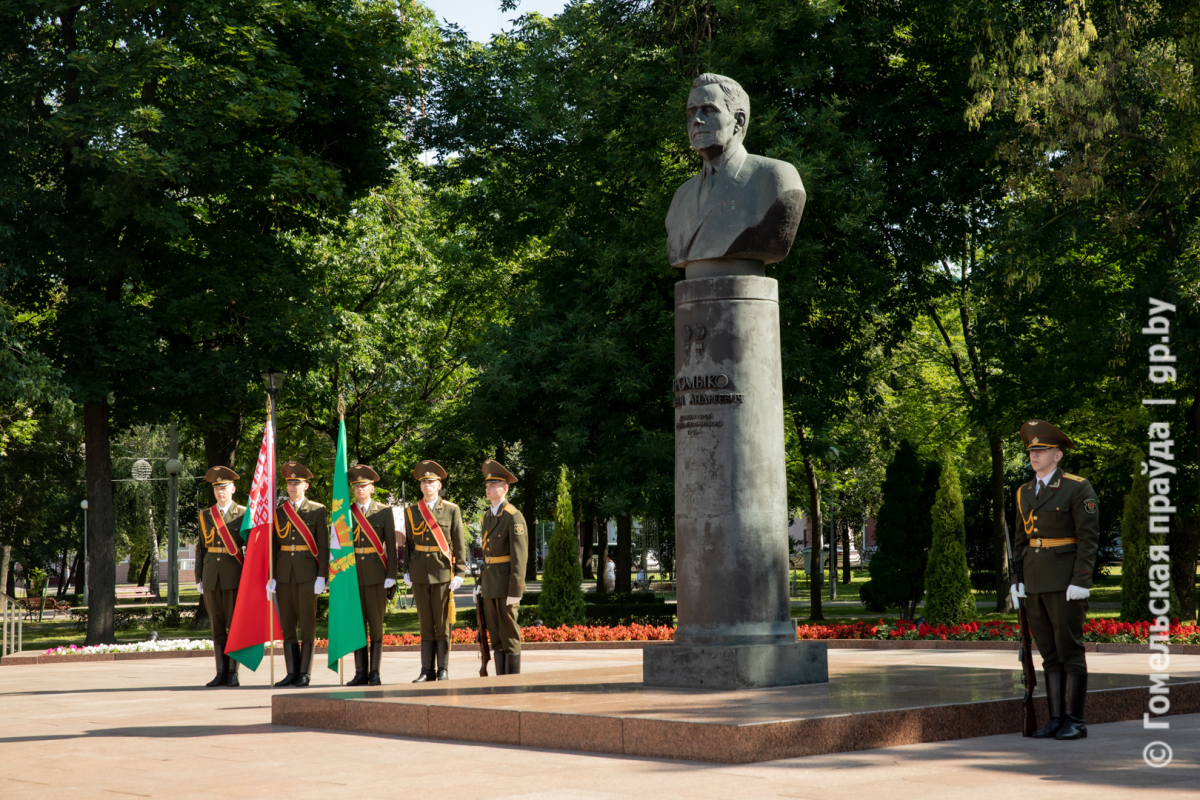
(622, 598)
(903, 532)
(628, 613)
(561, 599)
(1135, 566)
(947, 577)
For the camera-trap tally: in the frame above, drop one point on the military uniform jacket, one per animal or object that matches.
(1065, 508)
(370, 566)
(504, 535)
(299, 566)
(221, 571)
(426, 563)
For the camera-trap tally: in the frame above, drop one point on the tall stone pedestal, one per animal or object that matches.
(735, 629)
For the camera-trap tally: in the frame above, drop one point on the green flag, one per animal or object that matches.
(346, 631)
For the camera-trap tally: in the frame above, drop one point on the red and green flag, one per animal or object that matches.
(255, 620)
(346, 631)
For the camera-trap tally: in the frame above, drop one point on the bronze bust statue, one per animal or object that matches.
(741, 212)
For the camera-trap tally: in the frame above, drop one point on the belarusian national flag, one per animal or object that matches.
(346, 631)
(254, 614)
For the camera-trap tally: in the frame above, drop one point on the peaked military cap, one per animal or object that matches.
(495, 471)
(1037, 434)
(295, 471)
(219, 475)
(429, 470)
(361, 473)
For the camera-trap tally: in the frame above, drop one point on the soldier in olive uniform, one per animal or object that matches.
(219, 567)
(376, 570)
(300, 573)
(1053, 556)
(505, 554)
(435, 568)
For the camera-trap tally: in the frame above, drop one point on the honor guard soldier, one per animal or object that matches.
(300, 548)
(505, 553)
(219, 556)
(1053, 558)
(436, 555)
(375, 556)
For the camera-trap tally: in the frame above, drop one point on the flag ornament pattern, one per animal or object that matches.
(346, 630)
(255, 618)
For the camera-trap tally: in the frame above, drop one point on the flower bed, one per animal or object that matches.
(566, 633)
(159, 646)
(1105, 631)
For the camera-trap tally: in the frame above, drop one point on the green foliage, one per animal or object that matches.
(903, 530)
(561, 600)
(947, 577)
(1136, 540)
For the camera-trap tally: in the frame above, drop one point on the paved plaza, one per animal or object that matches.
(146, 729)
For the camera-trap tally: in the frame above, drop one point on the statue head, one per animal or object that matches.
(718, 113)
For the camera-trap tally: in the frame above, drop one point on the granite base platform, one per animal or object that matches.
(609, 710)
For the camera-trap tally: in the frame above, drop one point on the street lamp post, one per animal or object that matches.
(174, 467)
(84, 505)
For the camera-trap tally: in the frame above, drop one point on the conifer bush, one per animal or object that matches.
(903, 533)
(1135, 563)
(561, 600)
(948, 597)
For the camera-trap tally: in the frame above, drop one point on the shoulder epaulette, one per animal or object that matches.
(448, 503)
(315, 504)
(1073, 477)
(510, 508)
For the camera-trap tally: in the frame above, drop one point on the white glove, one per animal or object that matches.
(455, 583)
(512, 601)
(389, 583)
(407, 580)
(1077, 593)
(478, 590)
(270, 588)
(319, 586)
(1017, 591)
(200, 587)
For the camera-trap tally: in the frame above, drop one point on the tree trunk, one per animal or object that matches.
(77, 573)
(847, 577)
(999, 540)
(102, 530)
(152, 532)
(529, 511)
(6, 571)
(62, 575)
(587, 529)
(624, 552)
(222, 431)
(601, 526)
(814, 495)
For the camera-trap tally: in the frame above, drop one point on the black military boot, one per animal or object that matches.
(376, 660)
(1054, 699)
(427, 673)
(302, 671)
(512, 664)
(222, 664)
(232, 669)
(291, 657)
(360, 668)
(499, 656)
(1076, 699)
(443, 661)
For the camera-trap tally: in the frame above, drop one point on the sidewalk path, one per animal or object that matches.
(144, 729)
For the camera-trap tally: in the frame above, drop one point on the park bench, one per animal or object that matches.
(40, 605)
(135, 593)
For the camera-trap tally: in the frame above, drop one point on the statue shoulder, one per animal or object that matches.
(782, 173)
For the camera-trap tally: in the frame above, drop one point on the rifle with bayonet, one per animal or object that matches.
(1028, 674)
(485, 654)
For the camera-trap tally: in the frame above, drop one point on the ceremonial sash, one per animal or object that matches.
(227, 539)
(301, 528)
(436, 530)
(361, 519)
